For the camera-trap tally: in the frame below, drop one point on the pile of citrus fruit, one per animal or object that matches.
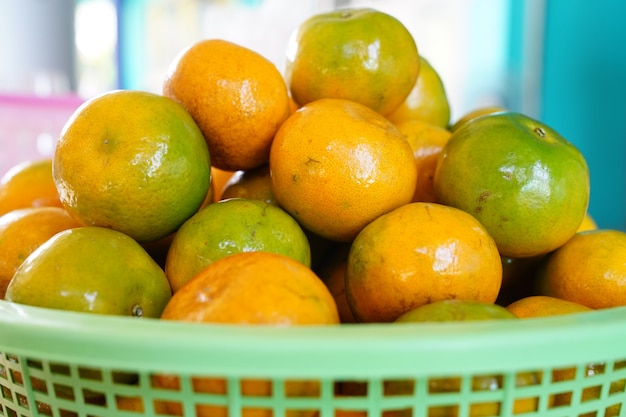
(335, 191)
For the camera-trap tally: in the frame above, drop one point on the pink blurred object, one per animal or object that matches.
(30, 126)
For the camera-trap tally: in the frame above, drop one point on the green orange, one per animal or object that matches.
(359, 54)
(520, 178)
(132, 161)
(92, 270)
(232, 226)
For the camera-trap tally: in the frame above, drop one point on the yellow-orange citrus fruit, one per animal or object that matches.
(254, 288)
(475, 113)
(92, 270)
(219, 178)
(543, 306)
(237, 96)
(427, 101)
(24, 230)
(588, 223)
(28, 184)
(132, 161)
(336, 165)
(358, 54)
(589, 269)
(426, 141)
(417, 254)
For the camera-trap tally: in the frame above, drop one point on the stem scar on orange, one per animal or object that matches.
(360, 54)
(336, 165)
(132, 161)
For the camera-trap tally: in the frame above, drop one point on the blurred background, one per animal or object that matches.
(560, 61)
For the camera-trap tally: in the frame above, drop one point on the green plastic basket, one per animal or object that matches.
(56, 363)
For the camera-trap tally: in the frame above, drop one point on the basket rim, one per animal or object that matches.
(115, 342)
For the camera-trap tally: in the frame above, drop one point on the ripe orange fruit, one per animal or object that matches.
(523, 181)
(132, 161)
(588, 223)
(358, 54)
(254, 183)
(232, 226)
(475, 113)
(93, 270)
(589, 269)
(238, 98)
(427, 142)
(542, 306)
(417, 254)
(28, 184)
(336, 165)
(254, 288)
(219, 178)
(24, 230)
(427, 101)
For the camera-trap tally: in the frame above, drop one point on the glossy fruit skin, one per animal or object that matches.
(28, 184)
(232, 226)
(132, 161)
(523, 181)
(359, 54)
(336, 165)
(97, 270)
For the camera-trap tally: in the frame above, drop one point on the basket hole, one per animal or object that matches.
(561, 399)
(617, 387)
(93, 397)
(60, 369)
(16, 377)
(31, 363)
(133, 404)
(253, 388)
(398, 387)
(38, 385)
(444, 410)
(525, 405)
(44, 409)
(591, 393)
(486, 383)
(22, 400)
(619, 365)
(64, 391)
(168, 408)
(10, 412)
(92, 374)
(486, 409)
(594, 369)
(351, 388)
(7, 393)
(563, 374)
(444, 385)
(3, 372)
(525, 379)
(124, 378)
(67, 413)
(350, 413)
(303, 388)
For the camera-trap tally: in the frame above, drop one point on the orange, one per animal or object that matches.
(219, 178)
(475, 113)
(427, 101)
(132, 161)
(238, 98)
(541, 306)
(28, 184)
(254, 288)
(254, 183)
(588, 223)
(589, 269)
(92, 270)
(358, 54)
(427, 142)
(336, 165)
(520, 178)
(232, 226)
(24, 230)
(418, 254)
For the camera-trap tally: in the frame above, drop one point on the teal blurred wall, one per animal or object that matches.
(583, 94)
